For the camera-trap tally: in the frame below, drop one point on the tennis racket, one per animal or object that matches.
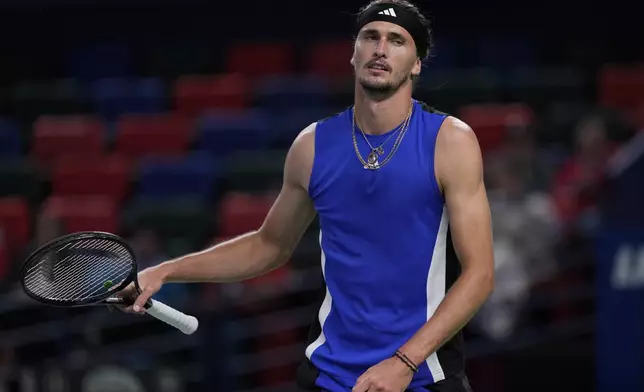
(89, 268)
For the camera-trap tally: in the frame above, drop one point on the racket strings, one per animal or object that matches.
(50, 269)
(81, 273)
(71, 280)
(95, 284)
(85, 290)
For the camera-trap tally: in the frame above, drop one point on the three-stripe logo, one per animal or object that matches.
(389, 12)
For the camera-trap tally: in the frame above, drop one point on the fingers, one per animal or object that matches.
(120, 304)
(144, 296)
(128, 292)
(127, 296)
(362, 385)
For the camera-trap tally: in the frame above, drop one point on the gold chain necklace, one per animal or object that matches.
(379, 149)
(372, 159)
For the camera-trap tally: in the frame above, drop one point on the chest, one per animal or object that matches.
(400, 187)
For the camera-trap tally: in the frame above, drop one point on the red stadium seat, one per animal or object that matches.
(194, 95)
(81, 213)
(489, 121)
(240, 213)
(261, 59)
(621, 87)
(94, 175)
(331, 59)
(56, 136)
(140, 135)
(15, 222)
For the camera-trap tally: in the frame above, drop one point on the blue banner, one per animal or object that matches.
(620, 311)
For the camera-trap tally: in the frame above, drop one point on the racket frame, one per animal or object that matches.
(70, 238)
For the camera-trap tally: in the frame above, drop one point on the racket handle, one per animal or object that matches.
(181, 321)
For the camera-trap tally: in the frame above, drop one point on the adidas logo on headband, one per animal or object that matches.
(389, 12)
(404, 18)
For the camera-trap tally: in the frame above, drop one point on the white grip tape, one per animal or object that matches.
(181, 321)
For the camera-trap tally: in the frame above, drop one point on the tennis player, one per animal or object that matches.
(405, 235)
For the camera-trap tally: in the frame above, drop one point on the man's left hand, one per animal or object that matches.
(390, 375)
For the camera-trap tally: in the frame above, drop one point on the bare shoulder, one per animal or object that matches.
(458, 154)
(299, 160)
(455, 134)
(306, 138)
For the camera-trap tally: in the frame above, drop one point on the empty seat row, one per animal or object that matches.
(116, 177)
(55, 136)
(92, 175)
(219, 132)
(188, 95)
(112, 97)
(269, 58)
(107, 97)
(197, 175)
(250, 58)
(191, 219)
(192, 95)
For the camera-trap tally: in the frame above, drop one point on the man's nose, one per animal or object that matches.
(381, 48)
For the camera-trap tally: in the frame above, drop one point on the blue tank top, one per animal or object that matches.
(387, 259)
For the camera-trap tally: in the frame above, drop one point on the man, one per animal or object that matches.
(395, 184)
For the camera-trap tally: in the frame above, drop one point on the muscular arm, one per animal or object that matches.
(459, 170)
(271, 245)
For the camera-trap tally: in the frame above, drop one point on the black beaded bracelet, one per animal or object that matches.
(406, 361)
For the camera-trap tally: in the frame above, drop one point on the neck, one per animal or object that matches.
(377, 115)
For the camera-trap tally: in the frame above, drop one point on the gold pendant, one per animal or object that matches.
(372, 160)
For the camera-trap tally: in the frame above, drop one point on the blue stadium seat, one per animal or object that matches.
(287, 92)
(99, 61)
(192, 176)
(10, 139)
(113, 97)
(149, 94)
(221, 132)
(289, 123)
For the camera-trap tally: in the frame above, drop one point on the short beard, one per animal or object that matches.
(383, 90)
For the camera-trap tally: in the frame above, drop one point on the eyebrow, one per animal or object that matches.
(390, 34)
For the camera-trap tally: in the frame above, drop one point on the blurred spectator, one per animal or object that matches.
(524, 228)
(520, 149)
(578, 183)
